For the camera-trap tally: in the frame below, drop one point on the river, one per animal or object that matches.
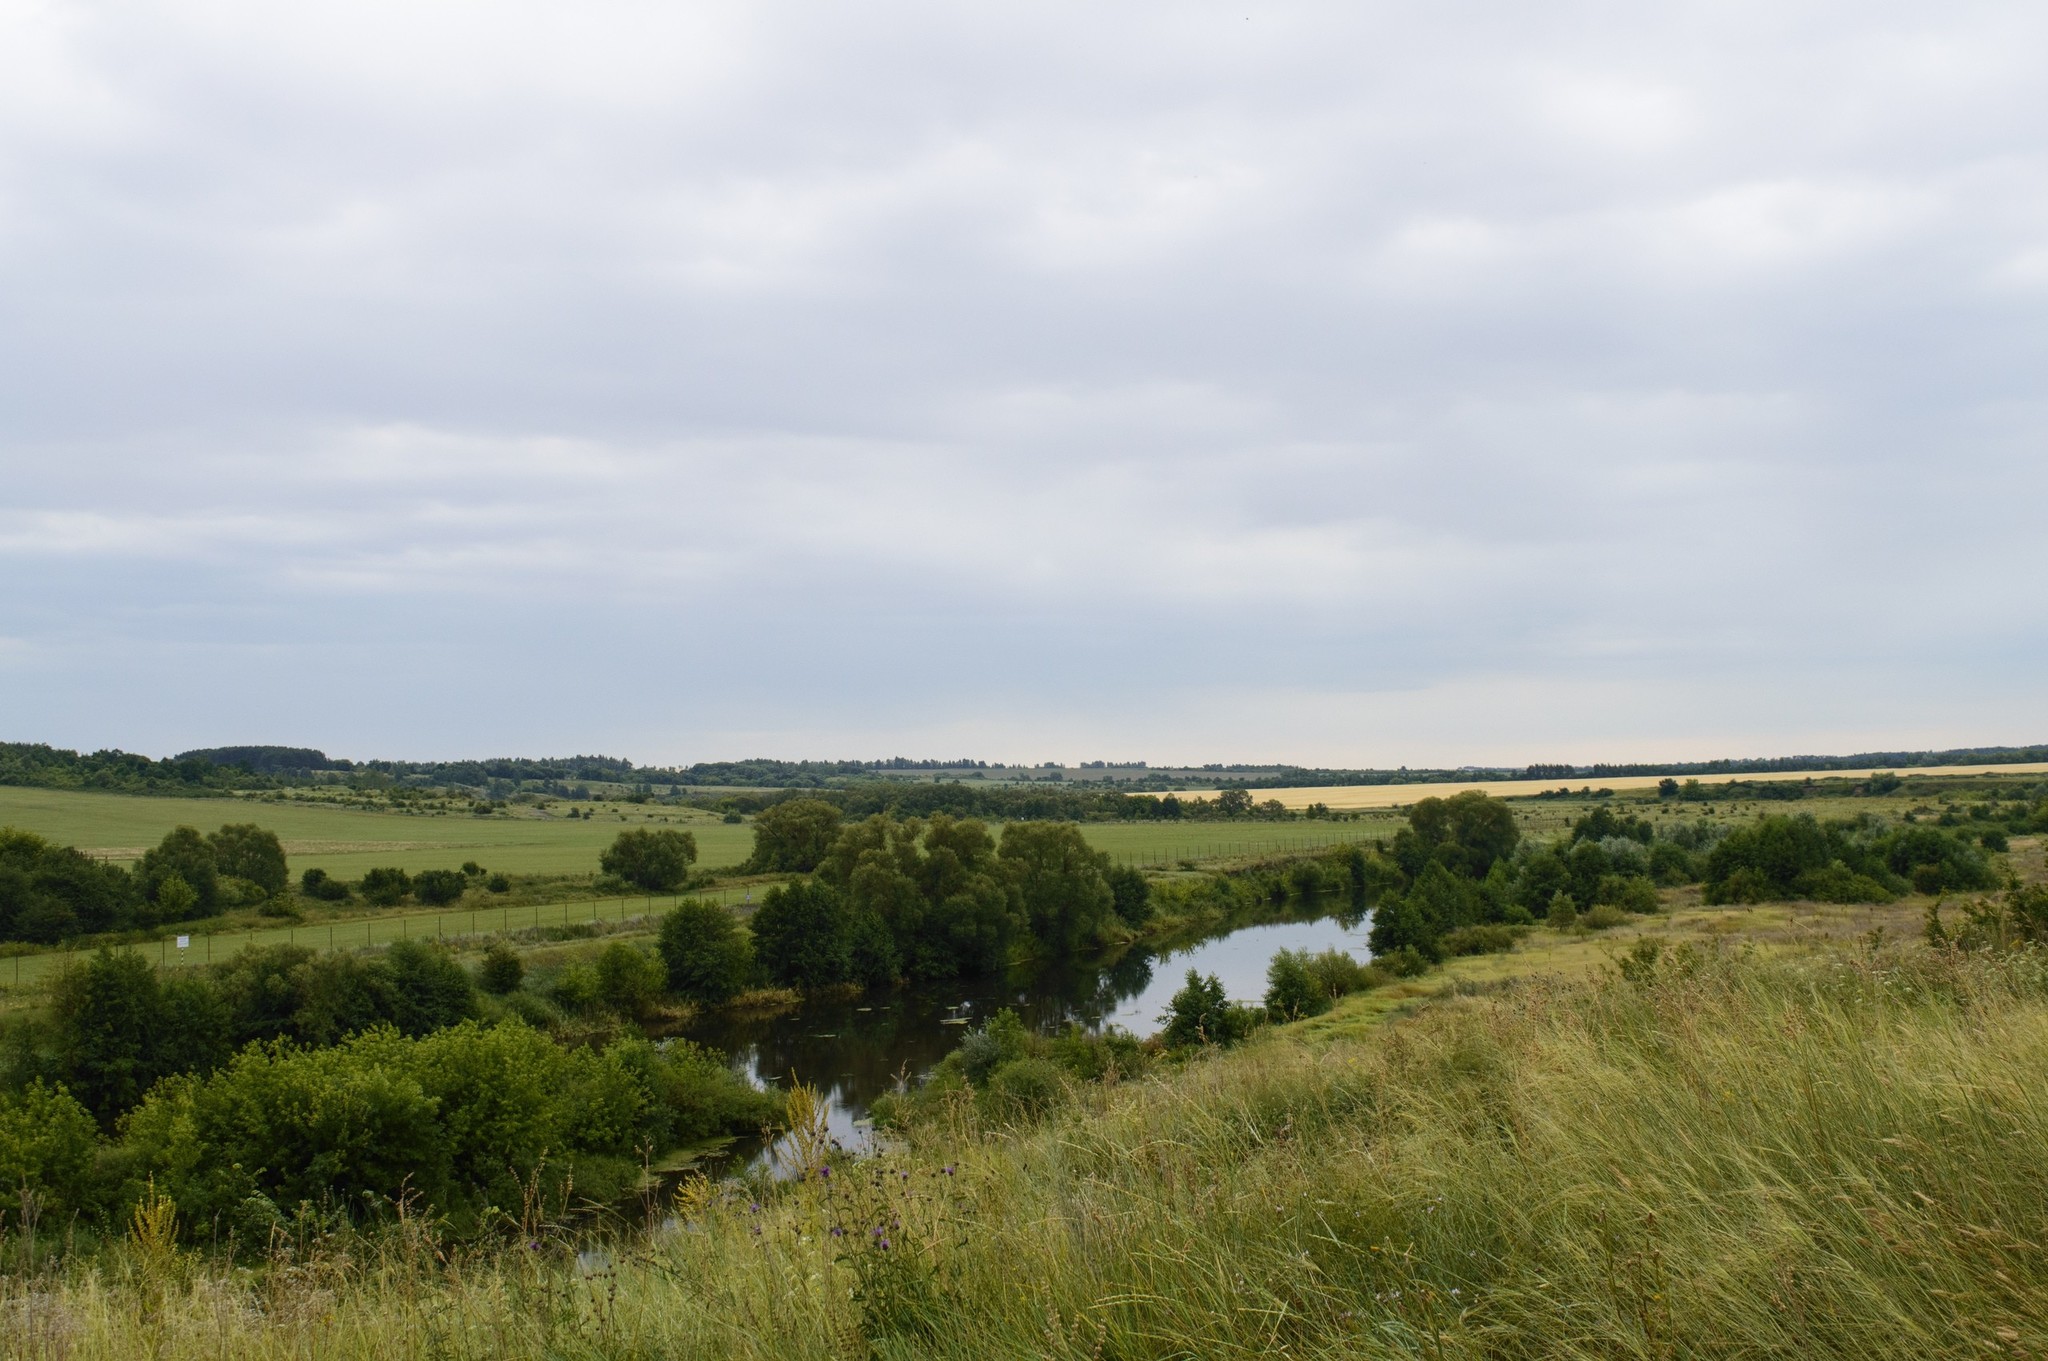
(855, 1049)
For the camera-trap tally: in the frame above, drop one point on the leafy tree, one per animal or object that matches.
(433, 991)
(46, 1147)
(107, 1014)
(1062, 883)
(794, 836)
(707, 957)
(629, 981)
(654, 860)
(385, 887)
(501, 971)
(243, 850)
(184, 855)
(1466, 833)
(316, 883)
(1130, 894)
(438, 888)
(803, 935)
(1200, 1014)
(1291, 991)
(50, 893)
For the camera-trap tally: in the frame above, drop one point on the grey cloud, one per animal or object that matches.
(1185, 379)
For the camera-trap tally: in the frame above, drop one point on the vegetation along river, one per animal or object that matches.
(854, 1049)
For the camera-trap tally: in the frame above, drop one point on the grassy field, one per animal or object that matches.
(1823, 1146)
(1394, 795)
(345, 842)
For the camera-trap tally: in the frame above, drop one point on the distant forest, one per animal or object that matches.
(219, 770)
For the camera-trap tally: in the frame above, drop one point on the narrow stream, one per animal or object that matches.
(854, 1050)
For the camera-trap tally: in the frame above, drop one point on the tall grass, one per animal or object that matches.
(1841, 1154)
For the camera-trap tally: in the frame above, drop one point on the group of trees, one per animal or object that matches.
(286, 1076)
(50, 893)
(1461, 865)
(885, 898)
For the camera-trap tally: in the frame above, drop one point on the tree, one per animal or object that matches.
(1062, 882)
(1130, 894)
(1466, 832)
(706, 956)
(182, 854)
(794, 836)
(433, 991)
(803, 935)
(629, 981)
(386, 886)
(107, 1013)
(437, 888)
(653, 860)
(245, 851)
(501, 971)
(1291, 989)
(1200, 1014)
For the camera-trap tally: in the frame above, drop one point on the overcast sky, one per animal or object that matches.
(1348, 383)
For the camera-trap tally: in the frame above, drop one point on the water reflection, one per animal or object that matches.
(854, 1050)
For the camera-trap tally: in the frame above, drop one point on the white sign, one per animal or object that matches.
(184, 942)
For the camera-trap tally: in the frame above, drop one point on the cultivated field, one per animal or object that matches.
(345, 842)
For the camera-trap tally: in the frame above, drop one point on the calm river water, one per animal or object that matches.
(854, 1050)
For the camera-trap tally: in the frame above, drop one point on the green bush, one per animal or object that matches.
(1605, 917)
(501, 971)
(707, 957)
(629, 980)
(245, 851)
(1629, 892)
(385, 887)
(1200, 1014)
(316, 883)
(654, 860)
(497, 883)
(1024, 1088)
(46, 1149)
(438, 888)
(1291, 989)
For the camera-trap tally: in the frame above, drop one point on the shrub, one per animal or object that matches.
(1291, 991)
(629, 980)
(497, 883)
(707, 958)
(316, 883)
(501, 971)
(1629, 892)
(1564, 913)
(653, 860)
(1024, 1088)
(46, 1147)
(1605, 917)
(1131, 895)
(438, 888)
(187, 857)
(385, 887)
(432, 991)
(1200, 1014)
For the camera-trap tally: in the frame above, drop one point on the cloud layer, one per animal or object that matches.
(1333, 383)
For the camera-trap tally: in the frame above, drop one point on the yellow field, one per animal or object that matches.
(1394, 795)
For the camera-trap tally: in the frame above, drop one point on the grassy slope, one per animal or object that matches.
(1795, 1145)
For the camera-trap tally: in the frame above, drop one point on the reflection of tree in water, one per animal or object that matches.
(1124, 978)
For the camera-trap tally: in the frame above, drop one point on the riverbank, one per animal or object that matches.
(1819, 1146)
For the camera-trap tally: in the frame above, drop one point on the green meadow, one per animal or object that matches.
(345, 841)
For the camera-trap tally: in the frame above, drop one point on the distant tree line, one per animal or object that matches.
(51, 893)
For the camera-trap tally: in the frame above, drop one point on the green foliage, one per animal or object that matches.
(1800, 857)
(1291, 991)
(794, 836)
(655, 860)
(465, 1118)
(1200, 1014)
(629, 980)
(1629, 892)
(501, 970)
(1130, 895)
(245, 851)
(1062, 883)
(385, 886)
(50, 893)
(928, 897)
(432, 991)
(183, 856)
(46, 1150)
(438, 888)
(803, 935)
(317, 883)
(707, 957)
